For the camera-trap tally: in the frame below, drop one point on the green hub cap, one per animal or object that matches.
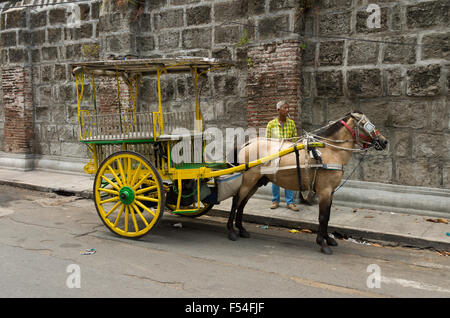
(126, 195)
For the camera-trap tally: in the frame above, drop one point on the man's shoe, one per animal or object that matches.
(274, 205)
(293, 207)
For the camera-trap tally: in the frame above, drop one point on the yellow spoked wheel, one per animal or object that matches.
(129, 194)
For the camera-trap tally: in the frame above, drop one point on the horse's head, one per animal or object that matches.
(365, 133)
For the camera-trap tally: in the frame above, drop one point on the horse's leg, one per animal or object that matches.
(325, 199)
(331, 241)
(231, 232)
(240, 212)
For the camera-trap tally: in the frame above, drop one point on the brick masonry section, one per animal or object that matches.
(18, 109)
(108, 102)
(274, 75)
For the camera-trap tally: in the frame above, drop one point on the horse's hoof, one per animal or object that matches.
(232, 236)
(244, 234)
(331, 241)
(326, 250)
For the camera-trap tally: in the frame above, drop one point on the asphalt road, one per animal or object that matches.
(42, 236)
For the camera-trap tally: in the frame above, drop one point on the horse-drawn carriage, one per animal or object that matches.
(132, 151)
(133, 157)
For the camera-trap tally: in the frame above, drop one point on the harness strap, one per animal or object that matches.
(357, 136)
(299, 175)
(297, 161)
(329, 166)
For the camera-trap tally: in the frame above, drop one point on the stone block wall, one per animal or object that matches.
(340, 63)
(41, 40)
(403, 89)
(219, 28)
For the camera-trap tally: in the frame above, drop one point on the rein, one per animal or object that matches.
(339, 141)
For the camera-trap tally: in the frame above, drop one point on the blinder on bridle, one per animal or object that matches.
(373, 135)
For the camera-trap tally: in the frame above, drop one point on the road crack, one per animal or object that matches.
(34, 224)
(83, 234)
(46, 251)
(176, 285)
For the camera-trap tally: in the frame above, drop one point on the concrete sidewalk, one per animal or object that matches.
(356, 222)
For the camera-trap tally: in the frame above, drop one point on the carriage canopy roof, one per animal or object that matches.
(150, 66)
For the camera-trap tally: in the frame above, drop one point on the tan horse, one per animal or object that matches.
(339, 137)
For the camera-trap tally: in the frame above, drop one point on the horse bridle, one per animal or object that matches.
(364, 141)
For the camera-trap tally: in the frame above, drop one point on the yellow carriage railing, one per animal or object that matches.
(129, 125)
(175, 121)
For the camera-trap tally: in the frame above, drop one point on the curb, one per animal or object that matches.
(364, 235)
(387, 197)
(83, 194)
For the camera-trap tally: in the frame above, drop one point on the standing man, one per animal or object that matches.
(282, 127)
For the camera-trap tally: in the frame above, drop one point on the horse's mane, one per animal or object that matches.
(332, 128)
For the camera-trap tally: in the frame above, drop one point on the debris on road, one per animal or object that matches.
(439, 220)
(443, 253)
(358, 242)
(178, 225)
(300, 231)
(88, 251)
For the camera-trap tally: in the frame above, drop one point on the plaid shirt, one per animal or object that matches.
(274, 129)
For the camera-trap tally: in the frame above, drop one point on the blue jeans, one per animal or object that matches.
(288, 194)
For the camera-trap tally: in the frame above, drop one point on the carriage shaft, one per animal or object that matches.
(260, 161)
